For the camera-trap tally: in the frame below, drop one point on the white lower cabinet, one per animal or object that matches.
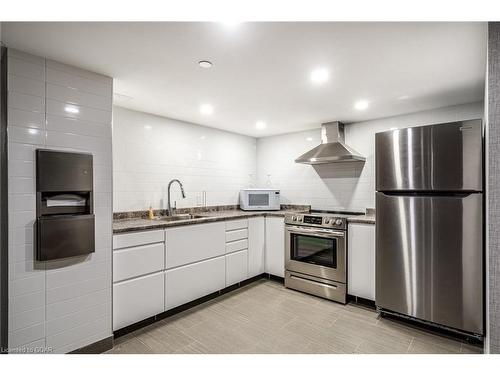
(192, 281)
(236, 267)
(256, 246)
(275, 246)
(361, 260)
(137, 299)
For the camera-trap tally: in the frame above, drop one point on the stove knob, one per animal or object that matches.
(294, 218)
(327, 221)
(300, 218)
(338, 222)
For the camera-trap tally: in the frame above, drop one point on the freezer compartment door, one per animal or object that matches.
(429, 258)
(444, 157)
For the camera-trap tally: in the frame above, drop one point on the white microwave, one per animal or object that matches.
(259, 199)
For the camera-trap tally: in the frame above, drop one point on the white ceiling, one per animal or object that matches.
(261, 71)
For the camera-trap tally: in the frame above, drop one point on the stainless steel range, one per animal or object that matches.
(316, 253)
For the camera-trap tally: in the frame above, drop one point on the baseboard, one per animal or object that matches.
(96, 348)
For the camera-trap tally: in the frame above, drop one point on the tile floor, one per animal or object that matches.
(264, 317)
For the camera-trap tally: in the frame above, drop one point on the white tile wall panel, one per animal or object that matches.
(25, 302)
(68, 291)
(76, 141)
(26, 335)
(26, 135)
(78, 112)
(21, 185)
(21, 202)
(34, 347)
(26, 69)
(80, 83)
(76, 273)
(78, 72)
(20, 252)
(70, 125)
(62, 287)
(339, 186)
(27, 285)
(62, 308)
(26, 85)
(77, 97)
(17, 54)
(21, 151)
(26, 102)
(75, 334)
(19, 236)
(77, 318)
(27, 318)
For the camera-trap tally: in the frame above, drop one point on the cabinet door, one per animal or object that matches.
(256, 246)
(361, 260)
(193, 243)
(236, 267)
(137, 299)
(275, 246)
(187, 283)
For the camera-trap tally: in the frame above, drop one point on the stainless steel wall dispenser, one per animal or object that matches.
(65, 224)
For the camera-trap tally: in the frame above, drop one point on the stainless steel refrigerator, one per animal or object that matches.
(429, 224)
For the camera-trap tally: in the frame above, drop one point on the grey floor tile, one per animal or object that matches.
(264, 317)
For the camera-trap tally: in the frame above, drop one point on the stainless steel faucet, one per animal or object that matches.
(169, 208)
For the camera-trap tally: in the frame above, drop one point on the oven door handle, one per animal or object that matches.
(328, 233)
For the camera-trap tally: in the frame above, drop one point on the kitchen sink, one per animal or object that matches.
(180, 217)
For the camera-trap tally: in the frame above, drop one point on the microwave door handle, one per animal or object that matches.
(327, 233)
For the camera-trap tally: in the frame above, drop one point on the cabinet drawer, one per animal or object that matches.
(193, 243)
(138, 238)
(235, 235)
(231, 247)
(236, 267)
(137, 261)
(137, 299)
(236, 224)
(187, 283)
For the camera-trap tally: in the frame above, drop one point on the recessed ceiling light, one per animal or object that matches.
(231, 24)
(71, 109)
(148, 127)
(205, 64)
(319, 75)
(206, 109)
(361, 105)
(260, 125)
(309, 139)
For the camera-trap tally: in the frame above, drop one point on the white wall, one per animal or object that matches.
(149, 151)
(339, 186)
(64, 304)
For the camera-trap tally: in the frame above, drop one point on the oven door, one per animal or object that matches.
(316, 252)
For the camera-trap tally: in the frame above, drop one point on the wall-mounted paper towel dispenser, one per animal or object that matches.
(64, 204)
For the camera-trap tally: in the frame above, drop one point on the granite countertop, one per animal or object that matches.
(140, 223)
(363, 219)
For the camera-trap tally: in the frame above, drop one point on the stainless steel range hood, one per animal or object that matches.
(332, 148)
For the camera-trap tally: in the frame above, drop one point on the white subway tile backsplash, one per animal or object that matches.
(77, 318)
(149, 151)
(62, 308)
(21, 151)
(20, 252)
(21, 168)
(337, 186)
(21, 185)
(18, 287)
(66, 292)
(25, 302)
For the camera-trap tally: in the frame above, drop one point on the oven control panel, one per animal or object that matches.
(315, 220)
